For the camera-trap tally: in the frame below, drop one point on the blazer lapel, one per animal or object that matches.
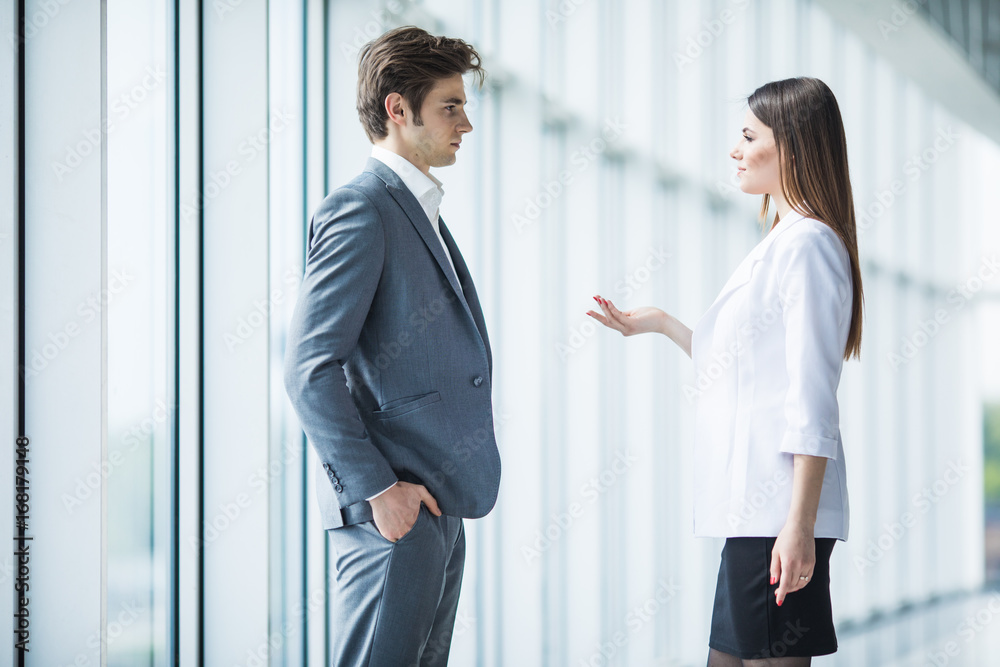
(468, 288)
(417, 218)
(744, 271)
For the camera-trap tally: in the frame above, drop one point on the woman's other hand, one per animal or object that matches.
(630, 322)
(792, 559)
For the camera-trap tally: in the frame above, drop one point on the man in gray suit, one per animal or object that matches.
(388, 365)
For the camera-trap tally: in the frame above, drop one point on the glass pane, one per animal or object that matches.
(140, 270)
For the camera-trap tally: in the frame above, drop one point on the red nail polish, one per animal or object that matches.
(779, 602)
(773, 580)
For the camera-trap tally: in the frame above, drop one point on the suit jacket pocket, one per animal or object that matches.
(401, 406)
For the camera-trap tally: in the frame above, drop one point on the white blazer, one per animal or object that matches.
(768, 356)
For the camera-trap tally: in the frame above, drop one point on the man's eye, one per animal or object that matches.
(449, 108)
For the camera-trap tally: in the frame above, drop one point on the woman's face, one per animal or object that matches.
(757, 158)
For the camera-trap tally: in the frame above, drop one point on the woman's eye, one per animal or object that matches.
(747, 138)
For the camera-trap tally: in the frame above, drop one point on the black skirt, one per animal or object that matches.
(747, 621)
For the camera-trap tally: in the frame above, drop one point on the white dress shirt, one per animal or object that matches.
(768, 356)
(428, 192)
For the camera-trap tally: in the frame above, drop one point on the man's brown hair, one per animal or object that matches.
(408, 61)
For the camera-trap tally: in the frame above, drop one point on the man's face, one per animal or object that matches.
(435, 143)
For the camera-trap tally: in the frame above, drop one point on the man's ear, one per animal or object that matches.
(395, 108)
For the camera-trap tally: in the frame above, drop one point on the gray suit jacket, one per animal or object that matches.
(387, 362)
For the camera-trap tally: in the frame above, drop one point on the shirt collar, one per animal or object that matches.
(790, 218)
(426, 188)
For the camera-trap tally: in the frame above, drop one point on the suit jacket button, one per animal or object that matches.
(478, 380)
(326, 466)
(338, 488)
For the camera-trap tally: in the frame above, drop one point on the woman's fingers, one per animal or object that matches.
(608, 320)
(776, 572)
(600, 318)
(614, 311)
(788, 577)
(613, 314)
(799, 583)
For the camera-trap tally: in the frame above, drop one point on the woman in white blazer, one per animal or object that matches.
(768, 353)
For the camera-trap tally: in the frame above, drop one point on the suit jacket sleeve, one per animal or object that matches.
(345, 254)
(815, 294)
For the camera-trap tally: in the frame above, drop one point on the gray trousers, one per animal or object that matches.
(393, 604)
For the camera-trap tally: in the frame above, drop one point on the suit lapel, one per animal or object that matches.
(460, 279)
(468, 288)
(411, 207)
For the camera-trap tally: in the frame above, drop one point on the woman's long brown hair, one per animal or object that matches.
(812, 152)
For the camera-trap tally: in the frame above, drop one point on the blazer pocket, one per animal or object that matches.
(401, 406)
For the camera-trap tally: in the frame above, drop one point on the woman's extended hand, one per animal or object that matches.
(792, 559)
(631, 322)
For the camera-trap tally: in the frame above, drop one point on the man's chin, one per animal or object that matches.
(445, 161)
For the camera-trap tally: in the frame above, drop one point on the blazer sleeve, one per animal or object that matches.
(345, 254)
(815, 292)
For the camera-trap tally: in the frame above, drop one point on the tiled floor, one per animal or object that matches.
(962, 632)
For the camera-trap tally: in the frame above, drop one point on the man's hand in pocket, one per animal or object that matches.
(396, 510)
